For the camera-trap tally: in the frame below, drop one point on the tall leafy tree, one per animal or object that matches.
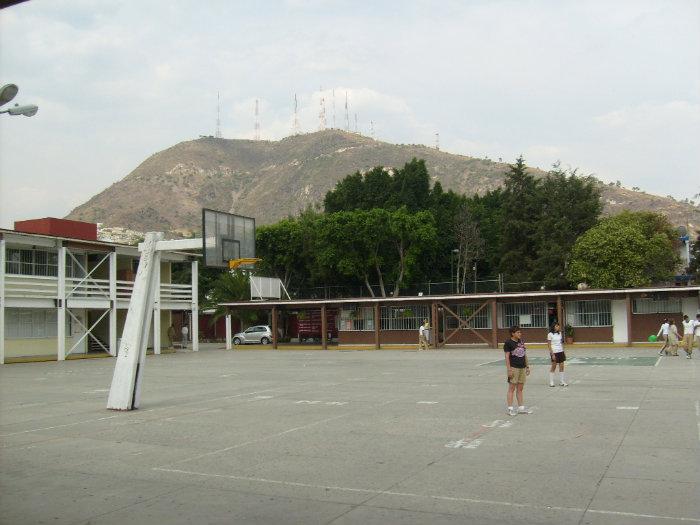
(570, 206)
(520, 211)
(694, 267)
(630, 249)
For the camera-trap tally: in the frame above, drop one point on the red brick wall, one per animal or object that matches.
(593, 334)
(644, 325)
(59, 227)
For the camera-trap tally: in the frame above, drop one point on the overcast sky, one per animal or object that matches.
(610, 87)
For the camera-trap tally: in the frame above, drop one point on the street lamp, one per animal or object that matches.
(7, 93)
(453, 279)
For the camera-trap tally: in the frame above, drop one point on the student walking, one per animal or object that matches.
(672, 338)
(663, 333)
(517, 369)
(696, 331)
(688, 332)
(423, 333)
(556, 355)
(185, 332)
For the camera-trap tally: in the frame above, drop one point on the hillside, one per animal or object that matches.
(270, 180)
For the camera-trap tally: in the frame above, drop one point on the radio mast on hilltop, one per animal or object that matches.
(371, 129)
(217, 133)
(256, 135)
(333, 108)
(437, 141)
(322, 115)
(295, 125)
(347, 115)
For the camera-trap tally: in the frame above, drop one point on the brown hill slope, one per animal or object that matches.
(270, 180)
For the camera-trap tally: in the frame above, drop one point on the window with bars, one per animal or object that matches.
(32, 262)
(21, 323)
(525, 315)
(409, 317)
(481, 320)
(589, 313)
(656, 306)
(42, 263)
(359, 318)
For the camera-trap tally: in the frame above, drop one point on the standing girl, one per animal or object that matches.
(673, 338)
(556, 354)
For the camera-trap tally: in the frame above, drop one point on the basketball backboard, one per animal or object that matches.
(226, 237)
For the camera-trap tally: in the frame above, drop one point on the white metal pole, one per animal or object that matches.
(228, 332)
(156, 304)
(61, 314)
(125, 390)
(195, 306)
(113, 303)
(2, 301)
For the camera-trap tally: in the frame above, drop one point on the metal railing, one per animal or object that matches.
(40, 287)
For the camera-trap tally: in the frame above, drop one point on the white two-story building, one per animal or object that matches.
(63, 292)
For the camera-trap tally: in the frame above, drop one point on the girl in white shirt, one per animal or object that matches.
(688, 329)
(556, 354)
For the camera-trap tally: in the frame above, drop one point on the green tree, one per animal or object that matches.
(570, 206)
(412, 235)
(630, 249)
(227, 287)
(694, 267)
(521, 207)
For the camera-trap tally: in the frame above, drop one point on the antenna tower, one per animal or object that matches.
(355, 122)
(347, 115)
(217, 133)
(257, 122)
(371, 128)
(295, 126)
(334, 109)
(322, 115)
(437, 141)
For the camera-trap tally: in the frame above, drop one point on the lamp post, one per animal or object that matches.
(7, 93)
(453, 278)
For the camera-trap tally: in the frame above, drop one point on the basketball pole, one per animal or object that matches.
(125, 391)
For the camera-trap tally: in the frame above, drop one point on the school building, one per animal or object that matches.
(65, 293)
(624, 316)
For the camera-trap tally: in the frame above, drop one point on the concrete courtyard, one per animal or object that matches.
(341, 437)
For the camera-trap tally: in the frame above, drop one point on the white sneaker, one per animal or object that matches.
(512, 412)
(523, 410)
(563, 384)
(551, 383)
(661, 352)
(687, 357)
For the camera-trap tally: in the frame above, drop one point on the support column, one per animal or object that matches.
(228, 332)
(61, 304)
(628, 301)
(560, 314)
(156, 303)
(274, 328)
(2, 301)
(113, 303)
(324, 328)
(195, 306)
(377, 326)
(494, 323)
(434, 323)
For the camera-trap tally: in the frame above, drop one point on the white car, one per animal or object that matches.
(254, 334)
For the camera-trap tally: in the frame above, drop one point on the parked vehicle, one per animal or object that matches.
(254, 334)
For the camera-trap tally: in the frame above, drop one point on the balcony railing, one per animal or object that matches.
(39, 287)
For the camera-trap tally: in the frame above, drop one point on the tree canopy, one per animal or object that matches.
(630, 249)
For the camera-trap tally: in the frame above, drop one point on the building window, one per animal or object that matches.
(656, 306)
(360, 318)
(32, 262)
(29, 323)
(588, 313)
(464, 311)
(525, 315)
(409, 317)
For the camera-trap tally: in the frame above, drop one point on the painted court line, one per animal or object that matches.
(260, 440)
(429, 496)
(57, 426)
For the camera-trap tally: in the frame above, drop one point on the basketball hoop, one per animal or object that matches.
(235, 263)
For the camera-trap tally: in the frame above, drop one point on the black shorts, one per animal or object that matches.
(558, 357)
